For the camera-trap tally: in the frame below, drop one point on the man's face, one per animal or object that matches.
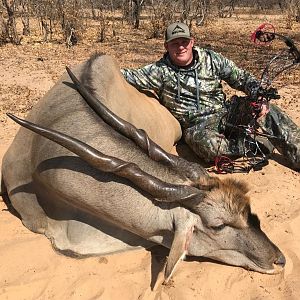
(180, 51)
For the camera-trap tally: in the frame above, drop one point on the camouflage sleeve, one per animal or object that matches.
(147, 77)
(237, 78)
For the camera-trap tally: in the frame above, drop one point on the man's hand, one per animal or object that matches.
(262, 97)
(266, 96)
(264, 110)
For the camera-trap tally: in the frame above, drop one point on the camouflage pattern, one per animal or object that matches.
(208, 141)
(194, 95)
(277, 123)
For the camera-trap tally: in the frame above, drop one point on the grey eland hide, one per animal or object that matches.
(110, 188)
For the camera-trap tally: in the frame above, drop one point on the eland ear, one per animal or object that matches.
(182, 238)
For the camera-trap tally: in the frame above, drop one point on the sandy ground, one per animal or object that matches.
(31, 269)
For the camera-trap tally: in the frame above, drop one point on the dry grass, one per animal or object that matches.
(132, 48)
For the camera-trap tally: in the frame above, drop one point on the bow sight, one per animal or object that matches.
(240, 123)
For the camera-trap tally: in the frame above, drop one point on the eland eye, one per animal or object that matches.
(219, 227)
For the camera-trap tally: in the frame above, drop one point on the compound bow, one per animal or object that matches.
(243, 112)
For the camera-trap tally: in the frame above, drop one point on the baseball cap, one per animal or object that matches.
(177, 30)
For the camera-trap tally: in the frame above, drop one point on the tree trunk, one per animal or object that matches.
(137, 8)
(11, 22)
(25, 17)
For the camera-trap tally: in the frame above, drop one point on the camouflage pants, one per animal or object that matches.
(207, 141)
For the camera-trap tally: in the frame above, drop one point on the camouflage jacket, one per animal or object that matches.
(194, 93)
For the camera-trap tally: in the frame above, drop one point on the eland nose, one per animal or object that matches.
(280, 261)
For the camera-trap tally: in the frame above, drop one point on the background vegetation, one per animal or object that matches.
(38, 38)
(67, 20)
